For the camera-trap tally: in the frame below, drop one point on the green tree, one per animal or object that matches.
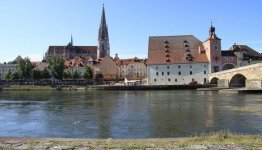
(88, 73)
(24, 68)
(45, 74)
(76, 75)
(36, 74)
(99, 75)
(67, 74)
(15, 75)
(56, 64)
(8, 75)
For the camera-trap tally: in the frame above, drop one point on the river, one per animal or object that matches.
(127, 114)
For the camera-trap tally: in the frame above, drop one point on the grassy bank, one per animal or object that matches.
(217, 140)
(41, 87)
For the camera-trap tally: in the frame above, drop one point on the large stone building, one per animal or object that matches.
(185, 59)
(71, 51)
(176, 60)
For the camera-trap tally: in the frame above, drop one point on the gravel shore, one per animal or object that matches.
(191, 143)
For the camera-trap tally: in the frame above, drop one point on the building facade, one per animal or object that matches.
(185, 59)
(177, 60)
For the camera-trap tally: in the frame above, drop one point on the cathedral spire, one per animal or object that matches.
(103, 48)
(71, 39)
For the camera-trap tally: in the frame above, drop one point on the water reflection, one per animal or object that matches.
(126, 114)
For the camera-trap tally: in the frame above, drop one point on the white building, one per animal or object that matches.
(5, 68)
(177, 60)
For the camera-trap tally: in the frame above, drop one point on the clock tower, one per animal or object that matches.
(213, 50)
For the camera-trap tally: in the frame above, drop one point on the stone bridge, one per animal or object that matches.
(248, 76)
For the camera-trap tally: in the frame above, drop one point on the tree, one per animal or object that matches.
(76, 75)
(45, 74)
(15, 75)
(88, 73)
(56, 63)
(99, 75)
(24, 68)
(8, 75)
(67, 74)
(36, 74)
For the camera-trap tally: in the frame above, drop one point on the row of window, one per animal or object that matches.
(190, 66)
(205, 80)
(179, 73)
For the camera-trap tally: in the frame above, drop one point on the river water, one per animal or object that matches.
(126, 114)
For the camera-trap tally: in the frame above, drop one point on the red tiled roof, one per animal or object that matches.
(177, 53)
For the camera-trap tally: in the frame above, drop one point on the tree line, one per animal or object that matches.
(56, 70)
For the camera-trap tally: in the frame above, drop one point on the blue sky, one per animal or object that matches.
(28, 27)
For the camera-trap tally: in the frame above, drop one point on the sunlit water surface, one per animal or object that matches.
(126, 114)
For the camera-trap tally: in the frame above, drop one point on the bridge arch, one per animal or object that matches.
(238, 80)
(228, 66)
(214, 80)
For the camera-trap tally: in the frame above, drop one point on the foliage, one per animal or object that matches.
(76, 75)
(36, 74)
(24, 68)
(67, 74)
(88, 73)
(15, 75)
(45, 74)
(8, 75)
(56, 66)
(99, 75)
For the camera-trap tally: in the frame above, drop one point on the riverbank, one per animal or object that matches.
(103, 87)
(219, 140)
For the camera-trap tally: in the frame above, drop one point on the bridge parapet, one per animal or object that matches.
(249, 76)
(258, 65)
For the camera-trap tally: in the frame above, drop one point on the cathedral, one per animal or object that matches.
(70, 51)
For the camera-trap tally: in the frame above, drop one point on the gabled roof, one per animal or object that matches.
(245, 49)
(176, 51)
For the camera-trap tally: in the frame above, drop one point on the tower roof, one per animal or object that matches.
(103, 17)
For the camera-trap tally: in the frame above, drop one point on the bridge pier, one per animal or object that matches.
(223, 83)
(254, 84)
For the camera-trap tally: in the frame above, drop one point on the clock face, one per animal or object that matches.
(215, 47)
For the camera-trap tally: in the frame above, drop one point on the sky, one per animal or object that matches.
(28, 27)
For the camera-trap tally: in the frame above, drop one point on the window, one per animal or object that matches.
(205, 80)
(175, 80)
(216, 68)
(167, 67)
(157, 73)
(205, 72)
(179, 73)
(169, 80)
(163, 73)
(168, 73)
(193, 79)
(156, 67)
(190, 72)
(190, 66)
(155, 80)
(179, 66)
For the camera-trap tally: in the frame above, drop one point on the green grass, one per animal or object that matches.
(215, 138)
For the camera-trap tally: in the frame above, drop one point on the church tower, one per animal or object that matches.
(103, 48)
(213, 50)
